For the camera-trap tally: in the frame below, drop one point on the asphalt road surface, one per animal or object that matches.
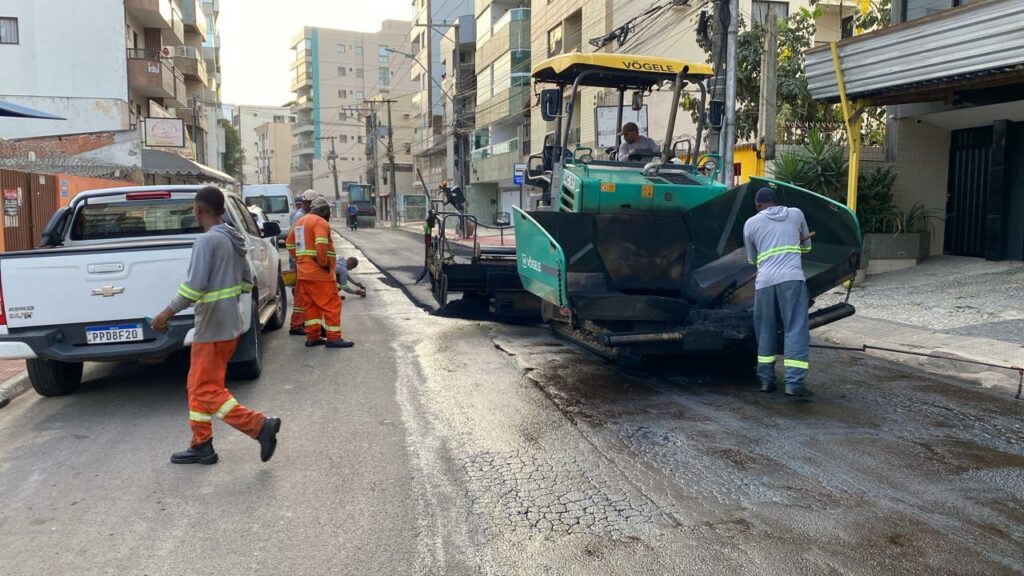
(445, 446)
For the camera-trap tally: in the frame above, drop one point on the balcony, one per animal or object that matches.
(192, 16)
(186, 115)
(494, 163)
(176, 33)
(503, 105)
(212, 6)
(301, 127)
(154, 77)
(188, 60)
(302, 149)
(301, 79)
(510, 32)
(151, 13)
(929, 59)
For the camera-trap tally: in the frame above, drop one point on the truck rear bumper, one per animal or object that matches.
(67, 344)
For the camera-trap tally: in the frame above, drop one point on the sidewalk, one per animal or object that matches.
(948, 306)
(486, 236)
(13, 380)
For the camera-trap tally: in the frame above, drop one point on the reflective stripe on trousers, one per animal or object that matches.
(786, 301)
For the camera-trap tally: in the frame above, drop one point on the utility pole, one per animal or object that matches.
(729, 142)
(195, 133)
(391, 167)
(333, 159)
(716, 111)
(371, 140)
(767, 107)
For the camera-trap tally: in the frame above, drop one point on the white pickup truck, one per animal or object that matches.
(107, 262)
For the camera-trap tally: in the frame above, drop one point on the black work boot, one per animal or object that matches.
(767, 387)
(798, 391)
(315, 343)
(198, 454)
(268, 437)
(297, 331)
(340, 343)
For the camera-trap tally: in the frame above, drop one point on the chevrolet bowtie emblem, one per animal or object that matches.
(108, 291)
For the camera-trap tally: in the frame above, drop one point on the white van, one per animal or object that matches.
(275, 200)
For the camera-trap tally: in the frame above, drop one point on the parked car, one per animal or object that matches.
(112, 258)
(275, 200)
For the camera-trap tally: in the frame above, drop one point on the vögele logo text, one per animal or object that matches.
(648, 66)
(530, 263)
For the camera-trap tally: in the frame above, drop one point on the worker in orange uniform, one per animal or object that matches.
(218, 275)
(298, 311)
(315, 259)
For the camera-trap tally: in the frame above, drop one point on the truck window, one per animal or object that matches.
(270, 204)
(134, 218)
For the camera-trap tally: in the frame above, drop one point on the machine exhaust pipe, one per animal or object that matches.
(830, 315)
(619, 340)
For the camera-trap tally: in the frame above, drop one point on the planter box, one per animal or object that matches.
(897, 246)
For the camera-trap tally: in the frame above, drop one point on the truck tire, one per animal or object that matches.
(53, 378)
(280, 316)
(251, 341)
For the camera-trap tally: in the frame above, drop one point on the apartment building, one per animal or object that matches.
(274, 142)
(431, 19)
(502, 135)
(247, 120)
(132, 60)
(333, 73)
(378, 171)
(949, 75)
(458, 84)
(215, 142)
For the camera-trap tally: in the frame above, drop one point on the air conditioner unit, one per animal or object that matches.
(166, 52)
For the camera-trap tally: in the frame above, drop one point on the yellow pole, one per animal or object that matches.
(851, 121)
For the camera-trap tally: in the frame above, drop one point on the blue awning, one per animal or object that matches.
(18, 111)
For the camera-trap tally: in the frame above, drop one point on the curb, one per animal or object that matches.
(14, 387)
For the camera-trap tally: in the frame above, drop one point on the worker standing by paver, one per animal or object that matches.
(315, 259)
(218, 275)
(775, 239)
(298, 311)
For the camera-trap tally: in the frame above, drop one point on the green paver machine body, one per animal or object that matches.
(646, 257)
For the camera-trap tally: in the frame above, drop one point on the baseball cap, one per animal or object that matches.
(766, 196)
(318, 202)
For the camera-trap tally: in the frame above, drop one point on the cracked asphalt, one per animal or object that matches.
(448, 446)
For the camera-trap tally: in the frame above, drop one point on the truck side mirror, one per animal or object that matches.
(638, 101)
(550, 103)
(53, 232)
(270, 229)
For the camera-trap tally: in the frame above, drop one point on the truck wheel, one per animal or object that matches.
(279, 318)
(53, 378)
(250, 341)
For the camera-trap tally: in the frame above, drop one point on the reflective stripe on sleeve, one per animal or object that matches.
(199, 416)
(189, 293)
(801, 364)
(323, 240)
(222, 294)
(226, 407)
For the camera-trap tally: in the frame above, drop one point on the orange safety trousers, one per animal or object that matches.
(322, 304)
(207, 396)
(298, 308)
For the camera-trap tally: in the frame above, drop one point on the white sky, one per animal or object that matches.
(254, 34)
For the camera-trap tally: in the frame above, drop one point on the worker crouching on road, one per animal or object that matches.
(217, 277)
(298, 309)
(341, 271)
(313, 251)
(776, 239)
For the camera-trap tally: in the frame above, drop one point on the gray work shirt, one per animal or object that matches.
(772, 241)
(642, 143)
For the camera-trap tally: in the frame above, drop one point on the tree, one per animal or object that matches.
(233, 156)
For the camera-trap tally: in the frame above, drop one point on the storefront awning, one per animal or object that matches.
(11, 110)
(160, 163)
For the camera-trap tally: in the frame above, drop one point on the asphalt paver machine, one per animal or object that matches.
(643, 256)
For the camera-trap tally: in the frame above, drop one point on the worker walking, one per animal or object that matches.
(218, 275)
(313, 250)
(775, 239)
(298, 310)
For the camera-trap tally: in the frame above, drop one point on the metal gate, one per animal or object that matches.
(970, 153)
(29, 200)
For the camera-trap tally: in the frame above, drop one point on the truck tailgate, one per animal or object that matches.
(53, 287)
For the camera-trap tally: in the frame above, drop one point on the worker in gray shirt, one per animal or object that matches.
(776, 239)
(634, 142)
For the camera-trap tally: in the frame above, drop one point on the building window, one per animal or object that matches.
(359, 73)
(8, 31)
(340, 48)
(360, 140)
(555, 41)
(383, 56)
(342, 94)
(384, 76)
(279, 119)
(846, 27)
(360, 96)
(341, 71)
